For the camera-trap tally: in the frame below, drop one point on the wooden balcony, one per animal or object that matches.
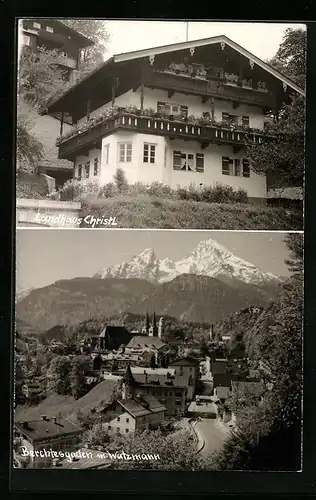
(174, 129)
(216, 88)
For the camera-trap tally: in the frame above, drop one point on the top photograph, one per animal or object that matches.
(160, 124)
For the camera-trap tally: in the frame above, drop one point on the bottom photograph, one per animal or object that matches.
(158, 349)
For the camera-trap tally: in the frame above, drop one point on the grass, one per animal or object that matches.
(67, 406)
(152, 212)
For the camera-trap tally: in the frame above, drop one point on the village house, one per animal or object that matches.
(39, 437)
(177, 114)
(52, 34)
(160, 383)
(145, 344)
(131, 414)
(187, 373)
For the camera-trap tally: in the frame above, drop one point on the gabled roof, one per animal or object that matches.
(184, 362)
(144, 340)
(37, 430)
(141, 405)
(163, 49)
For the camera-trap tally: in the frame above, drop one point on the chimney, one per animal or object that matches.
(44, 417)
(55, 420)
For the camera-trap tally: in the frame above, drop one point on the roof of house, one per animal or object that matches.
(141, 405)
(222, 392)
(110, 330)
(223, 379)
(39, 430)
(164, 49)
(185, 362)
(145, 341)
(85, 42)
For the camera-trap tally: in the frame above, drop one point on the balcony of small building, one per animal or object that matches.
(194, 80)
(203, 130)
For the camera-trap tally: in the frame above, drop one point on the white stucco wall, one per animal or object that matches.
(194, 103)
(161, 171)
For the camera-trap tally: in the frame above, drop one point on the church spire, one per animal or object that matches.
(147, 324)
(154, 325)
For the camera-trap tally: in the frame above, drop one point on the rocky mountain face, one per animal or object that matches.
(206, 286)
(209, 258)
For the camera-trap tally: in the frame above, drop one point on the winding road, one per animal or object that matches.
(211, 435)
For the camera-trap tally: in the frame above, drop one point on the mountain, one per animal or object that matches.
(21, 294)
(68, 302)
(209, 258)
(201, 298)
(188, 297)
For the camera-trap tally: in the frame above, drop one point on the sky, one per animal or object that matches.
(262, 39)
(45, 256)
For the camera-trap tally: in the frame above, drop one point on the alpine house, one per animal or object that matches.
(177, 114)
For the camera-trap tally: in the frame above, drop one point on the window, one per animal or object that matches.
(26, 40)
(231, 119)
(149, 153)
(125, 152)
(50, 29)
(37, 25)
(106, 153)
(87, 169)
(172, 109)
(96, 165)
(245, 168)
(126, 430)
(80, 172)
(232, 166)
(185, 161)
(109, 427)
(118, 419)
(127, 420)
(245, 121)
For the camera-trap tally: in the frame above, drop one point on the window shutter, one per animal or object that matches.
(177, 160)
(199, 162)
(245, 168)
(225, 165)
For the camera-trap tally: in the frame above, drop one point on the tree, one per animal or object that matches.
(29, 150)
(77, 380)
(120, 180)
(96, 436)
(40, 76)
(290, 58)
(283, 159)
(58, 375)
(174, 454)
(275, 341)
(95, 30)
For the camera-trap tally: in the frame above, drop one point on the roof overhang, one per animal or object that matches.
(164, 49)
(106, 67)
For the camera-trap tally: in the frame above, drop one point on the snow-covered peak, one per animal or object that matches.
(208, 258)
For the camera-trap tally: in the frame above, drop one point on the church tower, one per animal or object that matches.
(128, 384)
(155, 325)
(212, 333)
(161, 327)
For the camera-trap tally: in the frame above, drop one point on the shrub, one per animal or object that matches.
(120, 180)
(107, 191)
(73, 189)
(159, 189)
(223, 194)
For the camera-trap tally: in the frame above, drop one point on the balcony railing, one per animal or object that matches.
(173, 128)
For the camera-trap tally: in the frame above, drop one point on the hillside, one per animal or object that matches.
(68, 302)
(187, 297)
(152, 212)
(66, 406)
